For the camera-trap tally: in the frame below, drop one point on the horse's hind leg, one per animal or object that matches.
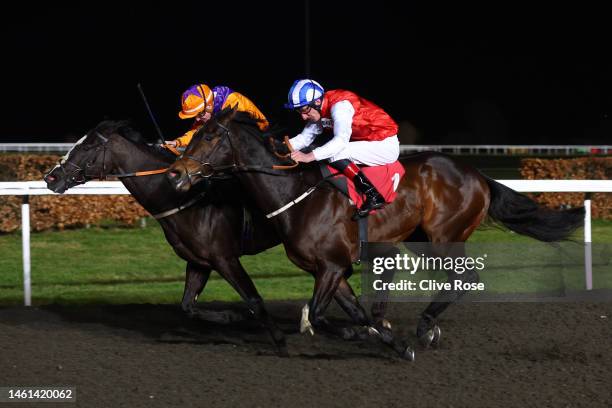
(236, 276)
(196, 277)
(379, 306)
(428, 330)
(448, 236)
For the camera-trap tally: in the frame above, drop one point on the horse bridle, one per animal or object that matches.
(214, 170)
(219, 171)
(79, 174)
(82, 172)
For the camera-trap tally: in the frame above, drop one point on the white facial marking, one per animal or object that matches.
(81, 140)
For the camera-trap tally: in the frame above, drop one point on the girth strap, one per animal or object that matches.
(247, 228)
(181, 207)
(362, 222)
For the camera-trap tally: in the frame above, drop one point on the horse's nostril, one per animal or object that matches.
(173, 174)
(49, 178)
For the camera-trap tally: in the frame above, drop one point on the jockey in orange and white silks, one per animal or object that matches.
(201, 102)
(363, 133)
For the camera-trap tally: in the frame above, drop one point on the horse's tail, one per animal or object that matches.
(523, 215)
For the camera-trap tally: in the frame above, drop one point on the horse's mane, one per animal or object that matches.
(242, 118)
(123, 128)
(249, 122)
(126, 129)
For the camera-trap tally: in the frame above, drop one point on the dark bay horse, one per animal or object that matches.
(439, 200)
(208, 234)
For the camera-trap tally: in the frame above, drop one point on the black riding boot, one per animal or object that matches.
(374, 199)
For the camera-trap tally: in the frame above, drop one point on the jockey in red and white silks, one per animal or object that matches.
(363, 133)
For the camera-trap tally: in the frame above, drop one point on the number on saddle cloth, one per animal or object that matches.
(385, 178)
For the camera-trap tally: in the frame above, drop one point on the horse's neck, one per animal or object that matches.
(271, 192)
(152, 192)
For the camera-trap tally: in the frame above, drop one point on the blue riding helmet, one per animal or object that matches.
(303, 92)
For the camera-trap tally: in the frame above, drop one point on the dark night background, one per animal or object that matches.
(487, 76)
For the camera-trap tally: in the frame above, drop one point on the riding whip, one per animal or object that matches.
(144, 98)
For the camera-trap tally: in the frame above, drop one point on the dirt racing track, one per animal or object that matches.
(506, 354)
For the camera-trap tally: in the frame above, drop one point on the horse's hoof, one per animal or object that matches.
(372, 331)
(280, 343)
(362, 333)
(409, 354)
(437, 334)
(305, 325)
(347, 333)
(427, 338)
(282, 351)
(386, 324)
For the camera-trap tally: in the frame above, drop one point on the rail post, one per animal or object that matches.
(588, 258)
(25, 248)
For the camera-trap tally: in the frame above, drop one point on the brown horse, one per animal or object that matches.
(439, 200)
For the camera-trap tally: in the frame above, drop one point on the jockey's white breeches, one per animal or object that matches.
(370, 153)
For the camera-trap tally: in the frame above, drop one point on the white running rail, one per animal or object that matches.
(29, 188)
(561, 150)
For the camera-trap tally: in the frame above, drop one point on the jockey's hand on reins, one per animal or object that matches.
(301, 157)
(286, 148)
(280, 148)
(170, 147)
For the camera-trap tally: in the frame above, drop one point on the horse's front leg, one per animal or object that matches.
(232, 271)
(196, 277)
(329, 284)
(327, 279)
(345, 297)
(326, 285)
(379, 306)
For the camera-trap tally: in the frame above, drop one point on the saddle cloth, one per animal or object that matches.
(385, 178)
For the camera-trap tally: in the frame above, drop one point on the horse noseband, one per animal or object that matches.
(206, 171)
